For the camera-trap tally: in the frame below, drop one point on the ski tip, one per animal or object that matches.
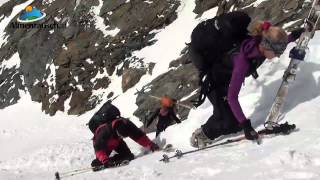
(57, 175)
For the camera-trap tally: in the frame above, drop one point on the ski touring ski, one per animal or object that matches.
(297, 55)
(284, 129)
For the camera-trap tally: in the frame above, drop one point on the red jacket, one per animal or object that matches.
(105, 138)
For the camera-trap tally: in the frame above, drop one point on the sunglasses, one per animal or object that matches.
(277, 47)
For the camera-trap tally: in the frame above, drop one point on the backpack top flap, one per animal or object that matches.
(215, 37)
(106, 114)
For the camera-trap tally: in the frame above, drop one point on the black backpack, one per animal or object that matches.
(214, 37)
(213, 42)
(106, 114)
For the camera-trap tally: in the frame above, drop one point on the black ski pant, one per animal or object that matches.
(222, 122)
(162, 125)
(123, 153)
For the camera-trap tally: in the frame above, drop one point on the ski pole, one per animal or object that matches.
(58, 176)
(84, 170)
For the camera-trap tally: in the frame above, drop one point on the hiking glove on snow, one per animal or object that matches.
(96, 165)
(154, 147)
(249, 132)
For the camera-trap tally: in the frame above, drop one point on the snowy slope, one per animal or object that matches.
(34, 146)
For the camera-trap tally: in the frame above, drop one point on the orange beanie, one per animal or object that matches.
(166, 101)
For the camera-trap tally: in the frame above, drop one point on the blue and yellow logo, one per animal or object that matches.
(31, 14)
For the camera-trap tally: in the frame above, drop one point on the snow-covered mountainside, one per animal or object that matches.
(34, 145)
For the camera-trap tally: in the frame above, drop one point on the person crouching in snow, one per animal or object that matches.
(166, 115)
(224, 77)
(108, 137)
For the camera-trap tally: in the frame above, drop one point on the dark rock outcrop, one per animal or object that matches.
(62, 63)
(70, 62)
(130, 77)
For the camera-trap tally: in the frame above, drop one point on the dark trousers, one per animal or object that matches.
(222, 122)
(123, 153)
(162, 125)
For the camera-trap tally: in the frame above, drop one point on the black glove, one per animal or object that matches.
(119, 158)
(249, 132)
(297, 32)
(110, 164)
(154, 147)
(96, 165)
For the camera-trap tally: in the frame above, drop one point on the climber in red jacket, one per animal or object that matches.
(108, 137)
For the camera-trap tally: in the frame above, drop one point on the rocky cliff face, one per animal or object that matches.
(66, 65)
(58, 64)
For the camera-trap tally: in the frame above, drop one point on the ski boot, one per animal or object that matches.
(199, 139)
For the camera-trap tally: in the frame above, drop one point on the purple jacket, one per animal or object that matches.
(248, 50)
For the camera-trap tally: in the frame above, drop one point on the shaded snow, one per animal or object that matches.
(51, 79)
(99, 22)
(14, 61)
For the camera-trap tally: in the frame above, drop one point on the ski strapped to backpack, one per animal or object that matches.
(297, 55)
(284, 129)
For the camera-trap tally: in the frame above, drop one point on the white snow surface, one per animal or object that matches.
(35, 146)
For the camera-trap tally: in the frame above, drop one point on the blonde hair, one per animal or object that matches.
(258, 28)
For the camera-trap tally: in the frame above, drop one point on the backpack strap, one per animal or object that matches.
(100, 127)
(115, 121)
(205, 88)
(253, 63)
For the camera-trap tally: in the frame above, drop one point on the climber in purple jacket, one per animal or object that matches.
(224, 58)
